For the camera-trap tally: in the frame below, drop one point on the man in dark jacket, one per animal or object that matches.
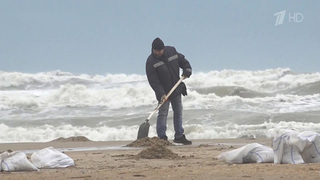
(163, 69)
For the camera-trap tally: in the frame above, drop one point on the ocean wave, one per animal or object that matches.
(268, 81)
(220, 104)
(137, 95)
(54, 79)
(223, 91)
(69, 95)
(305, 89)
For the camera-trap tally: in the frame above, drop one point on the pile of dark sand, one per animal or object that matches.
(157, 151)
(9, 151)
(69, 139)
(147, 142)
(157, 148)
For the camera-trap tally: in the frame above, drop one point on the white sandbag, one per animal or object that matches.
(286, 149)
(296, 148)
(250, 153)
(2, 157)
(16, 161)
(311, 151)
(51, 158)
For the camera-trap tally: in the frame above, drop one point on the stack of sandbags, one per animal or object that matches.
(288, 148)
(296, 148)
(45, 158)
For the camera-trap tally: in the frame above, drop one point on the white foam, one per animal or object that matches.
(193, 131)
(47, 133)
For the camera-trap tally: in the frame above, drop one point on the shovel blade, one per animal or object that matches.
(143, 130)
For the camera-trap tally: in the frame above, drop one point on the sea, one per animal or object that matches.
(44, 106)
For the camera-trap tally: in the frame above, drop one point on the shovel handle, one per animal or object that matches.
(169, 93)
(175, 86)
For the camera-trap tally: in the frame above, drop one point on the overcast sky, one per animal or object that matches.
(115, 36)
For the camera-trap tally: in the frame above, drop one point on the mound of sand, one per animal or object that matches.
(75, 138)
(147, 142)
(157, 152)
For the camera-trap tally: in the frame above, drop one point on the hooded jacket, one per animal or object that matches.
(164, 72)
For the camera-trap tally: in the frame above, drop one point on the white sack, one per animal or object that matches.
(296, 148)
(51, 158)
(16, 161)
(250, 153)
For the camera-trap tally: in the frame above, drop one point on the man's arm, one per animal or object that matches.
(185, 66)
(154, 81)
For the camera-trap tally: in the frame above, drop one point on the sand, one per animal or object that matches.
(116, 160)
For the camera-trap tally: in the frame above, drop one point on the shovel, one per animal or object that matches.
(144, 127)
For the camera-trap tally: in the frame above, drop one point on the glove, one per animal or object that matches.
(163, 99)
(187, 73)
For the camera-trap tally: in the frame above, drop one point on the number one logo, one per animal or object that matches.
(280, 17)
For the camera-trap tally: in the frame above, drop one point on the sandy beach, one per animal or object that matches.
(114, 160)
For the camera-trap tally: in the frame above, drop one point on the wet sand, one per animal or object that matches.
(114, 160)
